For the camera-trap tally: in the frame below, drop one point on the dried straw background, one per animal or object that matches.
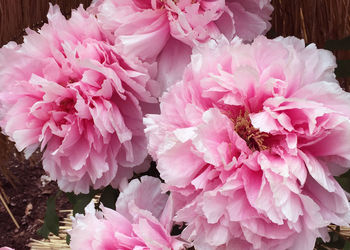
(313, 20)
(16, 15)
(316, 21)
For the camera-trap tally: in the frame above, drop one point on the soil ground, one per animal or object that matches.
(27, 202)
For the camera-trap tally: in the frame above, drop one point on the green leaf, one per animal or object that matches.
(342, 44)
(68, 239)
(336, 241)
(343, 69)
(80, 201)
(344, 181)
(51, 221)
(347, 245)
(109, 197)
(44, 231)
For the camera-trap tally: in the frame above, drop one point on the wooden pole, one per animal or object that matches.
(8, 210)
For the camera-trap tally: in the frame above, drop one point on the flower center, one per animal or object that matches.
(175, 1)
(254, 138)
(67, 105)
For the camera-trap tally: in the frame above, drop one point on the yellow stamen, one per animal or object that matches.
(254, 138)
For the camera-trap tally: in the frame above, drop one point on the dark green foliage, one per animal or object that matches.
(152, 171)
(337, 241)
(109, 197)
(347, 245)
(343, 68)
(80, 201)
(68, 239)
(51, 222)
(343, 44)
(344, 181)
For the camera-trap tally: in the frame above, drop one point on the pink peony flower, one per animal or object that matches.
(142, 220)
(144, 27)
(71, 93)
(249, 142)
(169, 28)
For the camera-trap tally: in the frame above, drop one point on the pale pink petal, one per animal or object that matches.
(75, 95)
(248, 143)
(132, 225)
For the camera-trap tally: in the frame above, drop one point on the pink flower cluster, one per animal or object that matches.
(165, 30)
(142, 220)
(70, 92)
(79, 94)
(248, 143)
(250, 133)
(144, 27)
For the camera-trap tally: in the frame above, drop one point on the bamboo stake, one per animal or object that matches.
(8, 210)
(53, 241)
(58, 242)
(2, 191)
